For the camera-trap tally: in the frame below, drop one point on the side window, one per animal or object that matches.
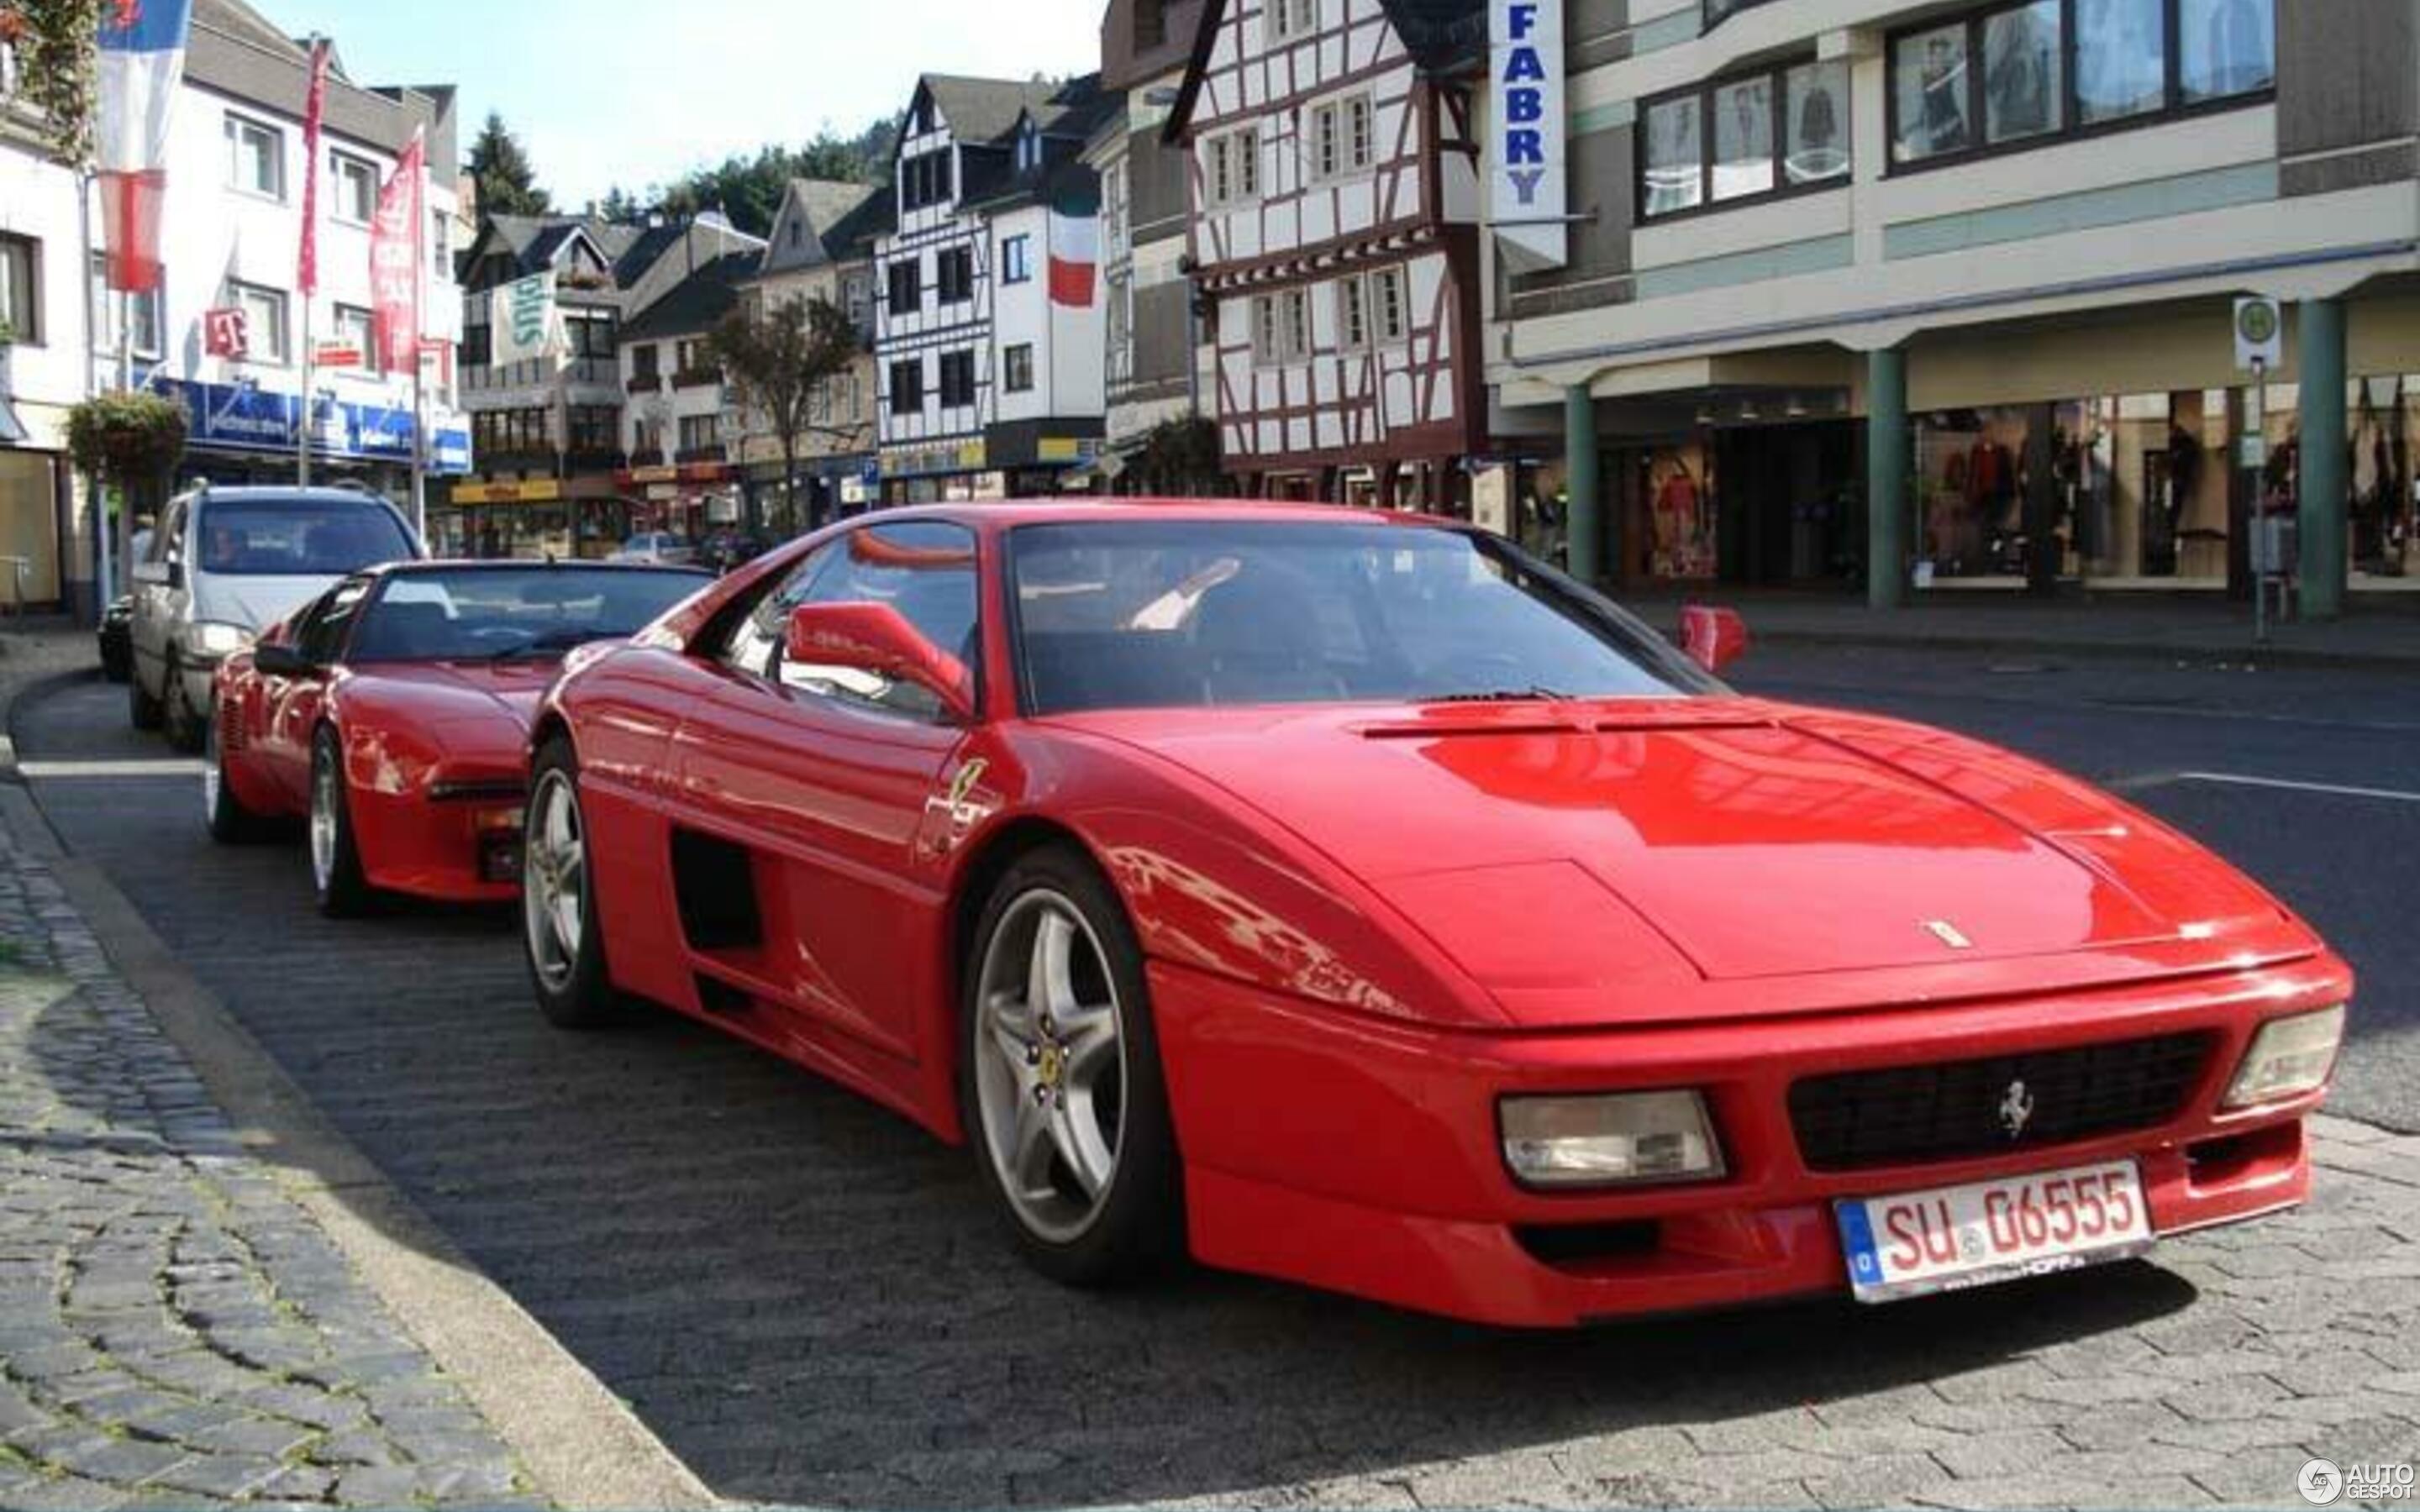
(925, 570)
(320, 634)
(755, 640)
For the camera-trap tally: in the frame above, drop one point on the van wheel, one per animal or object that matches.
(186, 725)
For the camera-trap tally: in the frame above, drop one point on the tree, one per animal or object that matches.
(778, 363)
(58, 43)
(1179, 458)
(621, 206)
(507, 183)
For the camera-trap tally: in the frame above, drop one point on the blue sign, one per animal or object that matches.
(243, 417)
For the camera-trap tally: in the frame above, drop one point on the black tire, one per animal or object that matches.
(1139, 1226)
(342, 889)
(186, 726)
(117, 663)
(575, 992)
(231, 822)
(141, 709)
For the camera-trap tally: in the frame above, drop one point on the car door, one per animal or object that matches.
(157, 581)
(291, 706)
(804, 790)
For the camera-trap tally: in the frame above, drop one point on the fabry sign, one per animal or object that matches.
(1529, 188)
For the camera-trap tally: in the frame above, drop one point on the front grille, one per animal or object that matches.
(1907, 1114)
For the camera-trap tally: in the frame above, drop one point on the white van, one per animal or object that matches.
(227, 563)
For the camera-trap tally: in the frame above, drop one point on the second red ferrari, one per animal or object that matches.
(392, 713)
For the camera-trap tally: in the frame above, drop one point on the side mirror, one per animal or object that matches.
(274, 660)
(1712, 638)
(874, 638)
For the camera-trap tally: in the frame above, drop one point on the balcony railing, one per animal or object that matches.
(717, 453)
(697, 378)
(647, 383)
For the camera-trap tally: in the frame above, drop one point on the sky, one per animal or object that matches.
(636, 92)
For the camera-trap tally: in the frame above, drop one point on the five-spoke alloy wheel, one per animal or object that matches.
(1060, 1079)
(559, 931)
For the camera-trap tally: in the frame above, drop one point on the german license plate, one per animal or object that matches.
(1956, 1237)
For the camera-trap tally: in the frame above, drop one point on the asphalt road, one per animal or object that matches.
(806, 1299)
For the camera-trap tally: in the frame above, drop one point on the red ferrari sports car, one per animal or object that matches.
(393, 711)
(1353, 899)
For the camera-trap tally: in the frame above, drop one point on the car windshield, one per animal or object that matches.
(1192, 614)
(298, 537)
(498, 613)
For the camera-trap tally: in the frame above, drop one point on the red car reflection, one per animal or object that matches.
(1350, 898)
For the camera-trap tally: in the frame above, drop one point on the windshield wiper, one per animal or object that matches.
(1535, 692)
(553, 641)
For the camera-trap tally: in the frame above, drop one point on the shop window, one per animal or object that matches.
(1817, 150)
(2226, 47)
(1744, 138)
(2121, 50)
(2013, 75)
(2024, 90)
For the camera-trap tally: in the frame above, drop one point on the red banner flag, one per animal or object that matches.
(394, 259)
(315, 110)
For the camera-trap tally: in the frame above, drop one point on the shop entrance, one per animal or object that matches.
(1789, 511)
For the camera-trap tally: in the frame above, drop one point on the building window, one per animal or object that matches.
(688, 356)
(1117, 224)
(1282, 326)
(1121, 329)
(1016, 368)
(925, 179)
(797, 233)
(699, 433)
(955, 272)
(594, 428)
(1150, 24)
(355, 184)
(8, 68)
(1291, 18)
(21, 288)
(264, 316)
(1016, 260)
(907, 387)
(907, 284)
(441, 243)
(355, 327)
(1029, 148)
(1745, 137)
(649, 440)
(2226, 47)
(1341, 137)
(1353, 312)
(1391, 306)
(1231, 168)
(591, 336)
(2017, 74)
(647, 361)
(957, 379)
(256, 158)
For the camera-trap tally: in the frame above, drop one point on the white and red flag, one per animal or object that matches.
(1075, 249)
(142, 61)
(314, 116)
(395, 258)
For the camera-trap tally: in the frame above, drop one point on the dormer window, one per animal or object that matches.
(1029, 148)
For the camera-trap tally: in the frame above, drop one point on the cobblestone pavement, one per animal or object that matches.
(173, 1330)
(807, 1299)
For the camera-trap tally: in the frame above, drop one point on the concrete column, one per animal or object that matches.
(1887, 453)
(2321, 504)
(1585, 528)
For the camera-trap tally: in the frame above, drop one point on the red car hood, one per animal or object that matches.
(1606, 861)
(456, 698)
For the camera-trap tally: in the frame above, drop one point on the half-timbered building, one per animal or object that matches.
(964, 412)
(1335, 192)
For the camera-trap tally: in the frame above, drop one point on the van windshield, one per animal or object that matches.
(297, 537)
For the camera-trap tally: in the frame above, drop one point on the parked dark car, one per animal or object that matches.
(117, 641)
(726, 549)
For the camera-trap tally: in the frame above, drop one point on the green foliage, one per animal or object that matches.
(507, 183)
(748, 190)
(58, 47)
(125, 438)
(1179, 458)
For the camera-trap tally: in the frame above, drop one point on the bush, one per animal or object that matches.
(127, 438)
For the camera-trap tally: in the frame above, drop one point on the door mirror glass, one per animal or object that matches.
(862, 649)
(1712, 638)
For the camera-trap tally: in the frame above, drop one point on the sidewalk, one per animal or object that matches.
(174, 1327)
(2381, 633)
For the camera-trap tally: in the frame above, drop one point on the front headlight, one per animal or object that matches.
(1617, 1139)
(213, 638)
(2288, 1057)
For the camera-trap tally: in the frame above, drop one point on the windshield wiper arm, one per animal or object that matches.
(1535, 692)
(552, 640)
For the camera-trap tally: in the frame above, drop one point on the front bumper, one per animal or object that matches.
(458, 840)
(1361, 1155)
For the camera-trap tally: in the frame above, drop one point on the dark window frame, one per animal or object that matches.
(1010, 369)
(1776, 77)
(2174, 107)
(963, 393)
(33, 331)
(906, 397)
